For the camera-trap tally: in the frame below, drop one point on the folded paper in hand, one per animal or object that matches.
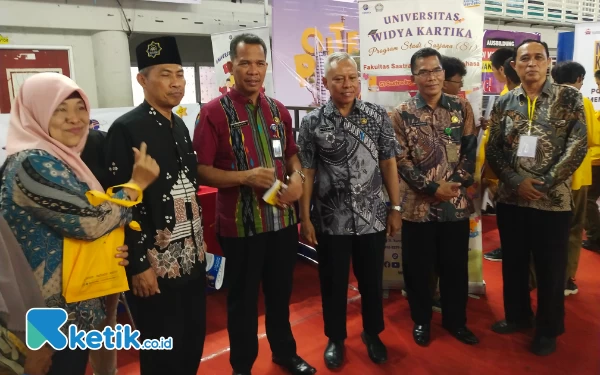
(272, 196)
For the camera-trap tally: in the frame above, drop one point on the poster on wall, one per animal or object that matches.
(390, 33)
(304, 33)
(587, 53)
(223, 76)
(17, 63)
(492, 41)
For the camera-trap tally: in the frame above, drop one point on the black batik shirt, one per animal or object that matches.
(345, 151)
(170, 215)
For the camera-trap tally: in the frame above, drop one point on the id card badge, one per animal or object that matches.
(277, 151)
(527, 146)
(452, 152)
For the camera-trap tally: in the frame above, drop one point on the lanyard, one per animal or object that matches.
(530, 111)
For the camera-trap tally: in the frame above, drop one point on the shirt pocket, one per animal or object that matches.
(514, 125)
(420, 140)
(327, 137)
(559, 125)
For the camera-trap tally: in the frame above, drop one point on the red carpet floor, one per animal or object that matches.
(578, 349)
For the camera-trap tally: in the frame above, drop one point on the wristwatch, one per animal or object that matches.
(302, 176)
(396, 208)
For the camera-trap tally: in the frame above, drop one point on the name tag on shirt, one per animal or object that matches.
(326, 128)
(452, 152)
(419, 123)
(527, 146)
(277, 151)
(237, 125)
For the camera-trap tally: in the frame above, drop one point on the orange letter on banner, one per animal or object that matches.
(305, 40)
(336, 43)
(352, 42)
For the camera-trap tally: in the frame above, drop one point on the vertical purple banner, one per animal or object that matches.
(304, 33)
(493, 40)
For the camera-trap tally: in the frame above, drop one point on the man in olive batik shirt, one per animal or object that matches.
(538, 139)
(436, 164)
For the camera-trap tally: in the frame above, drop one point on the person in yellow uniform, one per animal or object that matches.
(592, 220)
(511, 80)
(571, 73)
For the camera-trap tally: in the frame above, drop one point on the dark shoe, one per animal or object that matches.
(334, 354)
(241, 373)
(464, 335)
(591, 245)
(571, 287)
(503, 327)
(489, 211)
(494, 255)
(295, 365)
(422, 334)
(377, 351)
(543, 346)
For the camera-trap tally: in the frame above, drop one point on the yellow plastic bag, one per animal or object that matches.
(90, 269)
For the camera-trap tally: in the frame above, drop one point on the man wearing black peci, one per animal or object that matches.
(167, 259)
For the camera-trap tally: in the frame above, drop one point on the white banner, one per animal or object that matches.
(587, 53)
(392, 31)
(220, 43)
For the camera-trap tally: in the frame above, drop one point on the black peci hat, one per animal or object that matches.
(157, 51)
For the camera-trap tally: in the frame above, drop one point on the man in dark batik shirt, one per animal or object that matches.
(436, 164)
(350, 147)
(167, 266)
(538, 139)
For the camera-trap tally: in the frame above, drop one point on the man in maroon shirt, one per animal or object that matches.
(244, 142)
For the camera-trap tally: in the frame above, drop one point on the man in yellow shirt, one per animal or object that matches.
(497, 60)
(592, 220)
(512, 80)
(571, 73)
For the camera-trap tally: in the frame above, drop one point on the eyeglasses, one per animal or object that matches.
(423, 73)
(461, 82)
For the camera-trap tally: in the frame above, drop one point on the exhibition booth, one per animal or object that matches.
(381, 36)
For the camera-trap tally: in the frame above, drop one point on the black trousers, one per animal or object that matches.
(545, 234)
(178, 312)
(334, 254)
(441, 247)
(592, 220)
(268, 258)
(69, 362)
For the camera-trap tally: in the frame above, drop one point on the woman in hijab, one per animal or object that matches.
(43, 197)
